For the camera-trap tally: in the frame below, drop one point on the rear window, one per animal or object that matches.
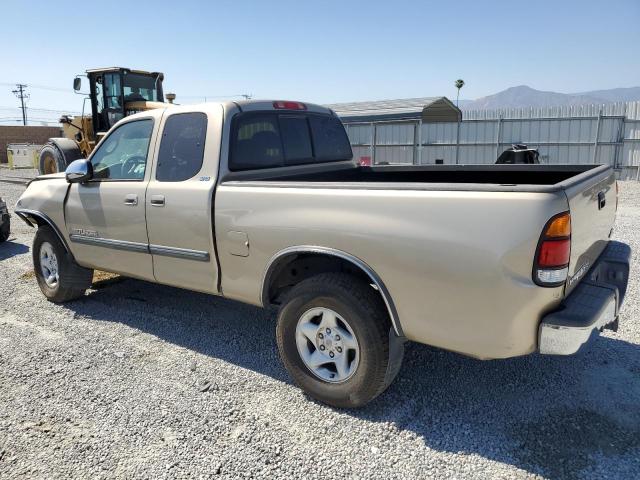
(296, 139)
(329, 138)
(271, 139)
(256, 143)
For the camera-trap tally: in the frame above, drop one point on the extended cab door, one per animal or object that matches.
(180, 199)
(105, 217)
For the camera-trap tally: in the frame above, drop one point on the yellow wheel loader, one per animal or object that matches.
(114, 93)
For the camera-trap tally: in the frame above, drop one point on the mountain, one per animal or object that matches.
(524, 96)
(616, 94)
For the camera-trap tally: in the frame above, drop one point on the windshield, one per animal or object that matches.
(140, 87)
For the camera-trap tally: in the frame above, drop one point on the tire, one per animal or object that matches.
(5, 229)
(51, 160)
(370, 367)
(66, 279)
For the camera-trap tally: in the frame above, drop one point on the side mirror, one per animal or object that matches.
(79, 171)
(77, 84)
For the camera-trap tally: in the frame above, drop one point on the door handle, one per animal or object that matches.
(131, 199)
(157, 200)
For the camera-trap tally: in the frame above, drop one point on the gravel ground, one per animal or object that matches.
(145, 381)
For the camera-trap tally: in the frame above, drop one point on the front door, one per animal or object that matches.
(105, 217)
(180, 202)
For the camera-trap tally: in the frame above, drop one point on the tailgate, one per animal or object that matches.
(592, 204)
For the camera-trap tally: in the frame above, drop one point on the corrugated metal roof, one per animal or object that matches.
(430, 109)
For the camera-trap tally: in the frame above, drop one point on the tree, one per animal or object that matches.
(459, 84)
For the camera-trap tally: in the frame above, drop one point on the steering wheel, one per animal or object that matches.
(130, 165)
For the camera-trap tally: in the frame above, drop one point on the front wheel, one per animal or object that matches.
(336, 340)
(59, 277)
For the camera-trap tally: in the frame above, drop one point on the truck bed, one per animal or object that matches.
(454, 245)
(542, 178)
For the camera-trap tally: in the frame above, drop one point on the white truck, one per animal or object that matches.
(261, 202)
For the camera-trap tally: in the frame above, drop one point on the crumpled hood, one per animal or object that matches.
(49, 176)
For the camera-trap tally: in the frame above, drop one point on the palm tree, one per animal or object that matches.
(459, 84)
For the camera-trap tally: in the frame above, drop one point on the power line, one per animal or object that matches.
(19, 120)
(20, 93)
(41, 87)
(246, 96)
(53, 89)
(36, 109)
(32, 118)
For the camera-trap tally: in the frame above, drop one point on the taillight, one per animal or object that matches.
(551, 265)
(365, 161)
(287, 105)
(554, 253)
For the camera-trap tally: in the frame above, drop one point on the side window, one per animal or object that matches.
(123, 154)
(329, 139)
(113, 106)
(296, 139)
(256, 143)
(99, 95)
(182, 147)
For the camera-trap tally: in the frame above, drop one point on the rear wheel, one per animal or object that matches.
(336, 340)
(59, 277)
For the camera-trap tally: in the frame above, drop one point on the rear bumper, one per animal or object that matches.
(593, 305)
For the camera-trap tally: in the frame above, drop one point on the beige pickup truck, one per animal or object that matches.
(261, 202)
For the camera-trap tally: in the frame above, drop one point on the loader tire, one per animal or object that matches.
(51, 160)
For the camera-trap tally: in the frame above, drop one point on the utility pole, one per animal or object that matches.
(20, 93)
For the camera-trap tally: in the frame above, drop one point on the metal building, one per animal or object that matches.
(433, 130)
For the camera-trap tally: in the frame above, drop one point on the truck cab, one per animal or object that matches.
(145, 180)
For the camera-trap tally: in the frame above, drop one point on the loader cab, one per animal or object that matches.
(118, 92)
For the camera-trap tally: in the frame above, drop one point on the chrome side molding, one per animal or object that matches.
(138, 247)
(197, 255)
(110, 243)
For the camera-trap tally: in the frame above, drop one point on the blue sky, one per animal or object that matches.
(327, 51)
